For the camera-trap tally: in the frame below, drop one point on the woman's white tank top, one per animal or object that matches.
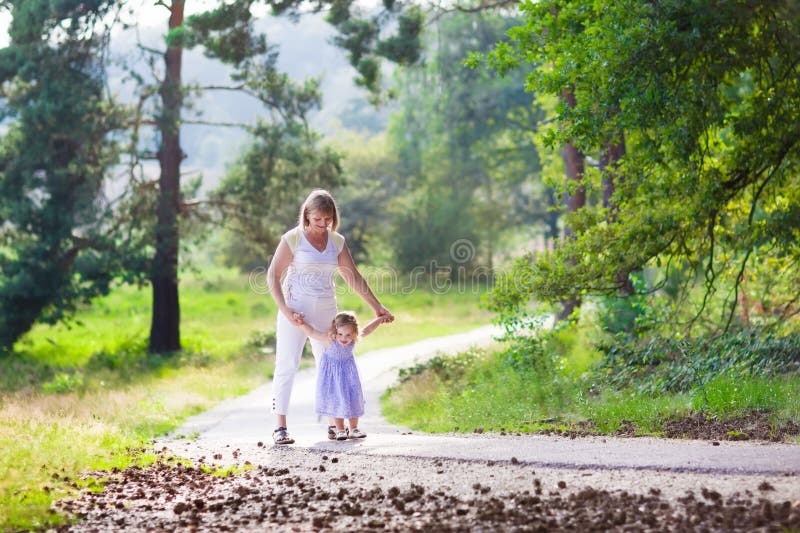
(312, 272)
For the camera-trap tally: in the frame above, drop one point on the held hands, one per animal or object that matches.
(384, 314)
(295, 317)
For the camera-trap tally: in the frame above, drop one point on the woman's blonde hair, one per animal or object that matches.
(344, 318)
(322, 201)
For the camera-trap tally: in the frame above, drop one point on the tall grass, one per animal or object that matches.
(49, 440)
(729, 396)
(551, 383)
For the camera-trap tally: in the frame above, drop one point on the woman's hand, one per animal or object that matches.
(384, 313)
(295, 317)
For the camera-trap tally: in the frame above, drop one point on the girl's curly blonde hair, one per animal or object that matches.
(344, 318)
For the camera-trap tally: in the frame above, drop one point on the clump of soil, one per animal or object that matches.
(168, 497)
(752, 426)
(755, 425)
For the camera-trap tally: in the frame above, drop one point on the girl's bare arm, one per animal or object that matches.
(314, 334)
(374, 323)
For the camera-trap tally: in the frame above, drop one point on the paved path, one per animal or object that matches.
(245, 421)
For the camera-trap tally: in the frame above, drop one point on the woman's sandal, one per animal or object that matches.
(331, 432)
(281, 436)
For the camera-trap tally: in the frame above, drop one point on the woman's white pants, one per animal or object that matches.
(290, 339)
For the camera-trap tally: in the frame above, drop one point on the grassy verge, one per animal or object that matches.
(491, 391)
(50, 439)
(87, 397)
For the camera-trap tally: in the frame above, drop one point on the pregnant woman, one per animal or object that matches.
(301, 280)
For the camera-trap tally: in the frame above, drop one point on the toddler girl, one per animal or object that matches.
(339, 392)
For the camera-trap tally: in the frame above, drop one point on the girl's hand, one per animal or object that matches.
(295, 317)
(384, 314)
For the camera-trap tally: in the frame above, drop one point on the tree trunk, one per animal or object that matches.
(165, 327)
(573, 166)
(608, 166)
(552, 233)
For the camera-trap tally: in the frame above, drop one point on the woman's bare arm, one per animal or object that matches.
(354, 280)
(277, 269)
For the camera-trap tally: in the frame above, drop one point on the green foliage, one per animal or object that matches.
(495, 391)
(370, 168)
(259, 198)
(528, 352)
(63, 382)
(476, 390)
(426, 228)
(629, 409)
(447, 368)
(704, 96)
(225, 33)
(729, 395)
(62, 242)
(679, 364)
(625, 315)
(404, 47)
(263, 339)
(465, 156)
(361, 37)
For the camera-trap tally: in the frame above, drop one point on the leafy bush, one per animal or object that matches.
(667, 364)
(617, 314)
(133, 360)
(525, 352)
(64, 382)
(263, 339)
(447, 368)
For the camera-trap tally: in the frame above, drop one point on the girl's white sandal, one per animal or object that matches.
(356, 433)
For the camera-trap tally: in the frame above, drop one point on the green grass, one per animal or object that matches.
(726, 396)
(613, 410)
(219, 310)
(492, 395)
(88, 397)
(50, 440)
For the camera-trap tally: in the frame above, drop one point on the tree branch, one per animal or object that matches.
(211, 123)
(484, 5)
(149, 50)
(736, 287)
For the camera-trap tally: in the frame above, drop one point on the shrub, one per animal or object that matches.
(447, 368)
(667, 364)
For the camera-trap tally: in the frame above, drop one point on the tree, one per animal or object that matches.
(62, 242)
(225, 33)
(463, 142)
(706, 97)
(259, 197)
(370, 166)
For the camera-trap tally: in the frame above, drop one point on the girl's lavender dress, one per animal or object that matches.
(339, 393)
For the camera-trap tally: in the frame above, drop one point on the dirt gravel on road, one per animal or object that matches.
(308, 490)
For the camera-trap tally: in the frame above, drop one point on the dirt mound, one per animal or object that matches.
(752, 426)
